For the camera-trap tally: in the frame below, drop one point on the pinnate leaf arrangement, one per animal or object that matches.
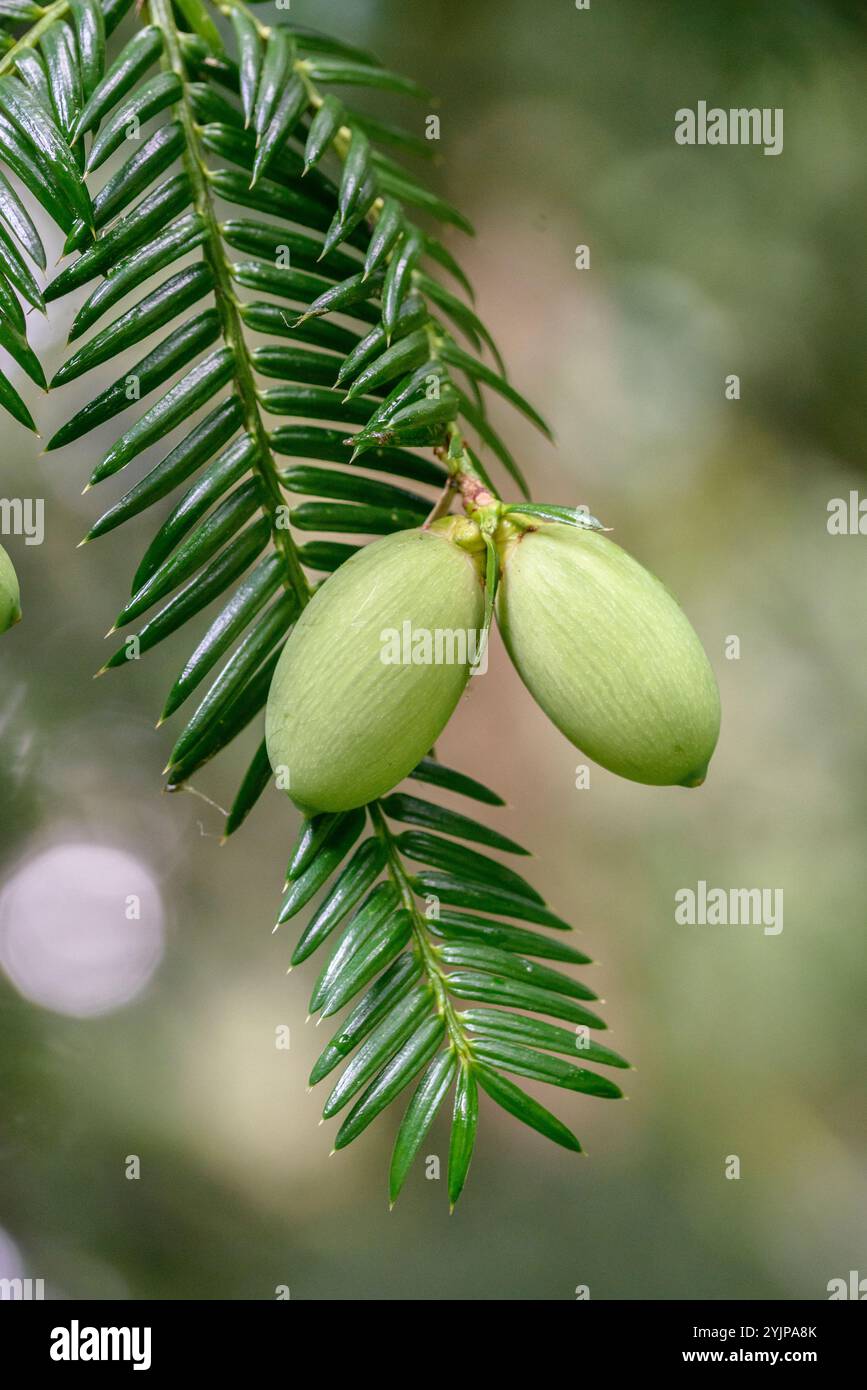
(274, 237)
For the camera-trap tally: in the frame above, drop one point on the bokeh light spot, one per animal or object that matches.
(81, 928)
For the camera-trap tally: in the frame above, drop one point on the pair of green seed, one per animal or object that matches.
(599, 642)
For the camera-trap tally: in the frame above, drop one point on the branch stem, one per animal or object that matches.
(426, 951)
(227, 305)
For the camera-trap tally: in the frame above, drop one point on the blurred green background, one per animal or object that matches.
(557, 130)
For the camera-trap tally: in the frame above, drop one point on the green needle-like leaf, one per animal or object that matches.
(413, 811)
(89, 25)
(497, 1025)
(384, 994)
(378, 949)
(46, 145)
(145, 103)
(433, 772)
(16, 271)
(537, 1066)
(465, 926)
(472, 866)
(61, 62)
(279, 54)
(525, 1108)
(408, 1062)
(485, 897)
(224, 522)
(334, 850)
(153, 312)
(256, 779)
(198, 593)
(199, 445)
(376, 910)
(379, 1048)
(354, 882)
(389, 226)
(398, 278)
(213, 482)
(483, 955)
(290, 108)
(247, 600)
(145, 221)
(13, 340)
(312, 835)
(12, 402)
(18, 219)
(142, 50)
(323, 128)
(185, 235)
(419, 1116)
(187, 396)
(465, 1117)
(496, 989)
(237, 672)
(343, 70)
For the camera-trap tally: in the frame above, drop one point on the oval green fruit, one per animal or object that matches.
(10, 600)
(375, 666)
(605, 650)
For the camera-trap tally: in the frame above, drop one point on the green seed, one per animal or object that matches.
(608, 654)
(348, 716)
(10, 601)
